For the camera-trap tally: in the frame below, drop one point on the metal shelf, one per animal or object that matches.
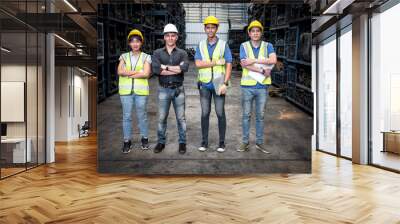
(279, 27)
(306, 109)
(298, 20)
(299, 62)
(303, 87)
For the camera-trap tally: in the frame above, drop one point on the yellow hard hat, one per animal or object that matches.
(135, 32)
(211, 20)
(255, 23)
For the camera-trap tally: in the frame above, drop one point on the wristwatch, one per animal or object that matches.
(166, 68)
(262, 71)
(226, 83)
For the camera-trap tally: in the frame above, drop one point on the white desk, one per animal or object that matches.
(19, 149)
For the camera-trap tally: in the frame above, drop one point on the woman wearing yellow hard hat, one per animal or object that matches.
(257, 58)
(213, 60)
(134, 71)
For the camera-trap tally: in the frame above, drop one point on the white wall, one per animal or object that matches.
(33, 126)
(17, 73)
(71, 102)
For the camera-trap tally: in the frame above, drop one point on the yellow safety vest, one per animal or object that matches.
(206, 74)
(246, 79)
(127, 85)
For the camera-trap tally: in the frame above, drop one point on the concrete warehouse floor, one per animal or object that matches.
(288, 133)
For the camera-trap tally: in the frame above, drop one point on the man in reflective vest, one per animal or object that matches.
(213, 60)
(257, 59)
(134, 70)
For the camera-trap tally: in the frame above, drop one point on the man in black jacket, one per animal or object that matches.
(169, 64)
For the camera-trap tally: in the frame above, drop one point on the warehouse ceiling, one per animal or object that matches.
(75, 21)
(75, 27)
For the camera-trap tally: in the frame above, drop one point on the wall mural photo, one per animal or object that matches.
(201, 88)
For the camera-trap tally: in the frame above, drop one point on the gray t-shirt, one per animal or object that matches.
(134, 58)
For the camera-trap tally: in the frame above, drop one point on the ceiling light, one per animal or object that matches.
(84, 71)
(70, 5)
(5, 50)
(337, 7)
(65, 41)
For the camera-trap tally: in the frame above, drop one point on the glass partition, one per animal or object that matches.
(22, 64)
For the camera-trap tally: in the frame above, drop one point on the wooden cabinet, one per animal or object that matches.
(391, 142)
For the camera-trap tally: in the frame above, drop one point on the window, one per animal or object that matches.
(346, 92)
(327, 95)
(385, 89)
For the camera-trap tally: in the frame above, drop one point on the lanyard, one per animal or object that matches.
(130, 59)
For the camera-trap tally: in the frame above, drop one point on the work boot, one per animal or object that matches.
(159, 148)
(243, 147)
(182, 148)
(127, 146)
(262, 148)
(145, 143)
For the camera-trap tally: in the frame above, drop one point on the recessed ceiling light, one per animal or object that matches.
(5, 50)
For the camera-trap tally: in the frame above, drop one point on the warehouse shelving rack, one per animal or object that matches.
(116, 20)
(288, 28)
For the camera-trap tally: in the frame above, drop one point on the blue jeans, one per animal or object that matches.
(140, 102)
(249, 95)
(177, 97)
(205, 100)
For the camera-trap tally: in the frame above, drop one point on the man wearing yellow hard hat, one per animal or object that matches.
(134, 70)
(213, 60)
(257, 58)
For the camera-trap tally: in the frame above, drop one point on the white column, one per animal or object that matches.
(50, 93)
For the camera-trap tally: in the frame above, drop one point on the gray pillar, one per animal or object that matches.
(50, 93)
(360, 90)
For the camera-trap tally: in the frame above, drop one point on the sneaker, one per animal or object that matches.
(145, 143)
(261, 148)
(182, 148)
(221, 148)
(127, 147)
(159, 148)
(243, 148)
(203, 148)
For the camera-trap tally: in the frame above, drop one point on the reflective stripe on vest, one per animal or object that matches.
(205, 74)
(262, 54)
(139, 86)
